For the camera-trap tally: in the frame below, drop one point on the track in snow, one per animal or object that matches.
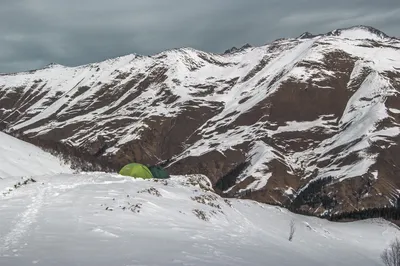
(22, 223)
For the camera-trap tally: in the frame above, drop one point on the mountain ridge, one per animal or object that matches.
(227, 51)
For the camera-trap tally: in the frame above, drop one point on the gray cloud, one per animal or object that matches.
(73, 32)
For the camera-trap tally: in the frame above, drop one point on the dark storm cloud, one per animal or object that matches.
(73, 32)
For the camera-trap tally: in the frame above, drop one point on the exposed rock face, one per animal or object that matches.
(310, 122)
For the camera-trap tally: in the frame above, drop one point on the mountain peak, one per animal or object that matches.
(235, 49)
(353, 32)
(52, 65)
(359, 32)
(306, 35)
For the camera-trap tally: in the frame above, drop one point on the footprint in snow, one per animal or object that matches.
(104, 233)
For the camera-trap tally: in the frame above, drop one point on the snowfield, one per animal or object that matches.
(18, 158)
(108, 219)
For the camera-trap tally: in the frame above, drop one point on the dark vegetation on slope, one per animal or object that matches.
(314, 195)
(230, 178)
(391, 214)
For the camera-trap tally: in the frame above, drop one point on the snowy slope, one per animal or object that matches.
(105, 219)
(319, 109)
(18, 159)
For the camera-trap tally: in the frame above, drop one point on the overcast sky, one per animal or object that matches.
(35, 33)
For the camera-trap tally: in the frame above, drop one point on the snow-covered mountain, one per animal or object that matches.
(308, 122)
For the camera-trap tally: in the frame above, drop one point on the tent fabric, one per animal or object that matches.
(158, 172)
(136, 170)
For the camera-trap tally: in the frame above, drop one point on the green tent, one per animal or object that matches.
(136, 170)
(158, 172)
